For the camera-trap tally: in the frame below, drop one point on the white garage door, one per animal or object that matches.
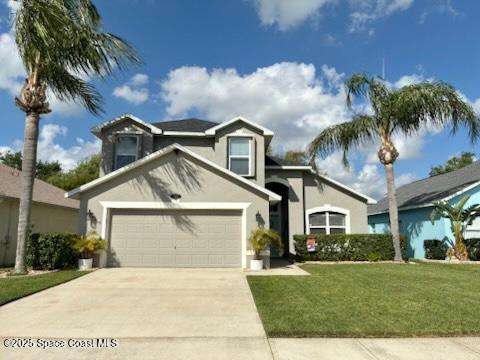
(175, 238)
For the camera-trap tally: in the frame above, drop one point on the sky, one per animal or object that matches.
(280, 63)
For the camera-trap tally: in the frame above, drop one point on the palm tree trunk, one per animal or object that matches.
(393, 211)
(28, 177)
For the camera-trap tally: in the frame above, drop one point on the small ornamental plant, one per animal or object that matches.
(261, 239)
(460, 216)
(85, 246)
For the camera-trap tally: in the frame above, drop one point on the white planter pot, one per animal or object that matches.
(85, 264)
(256, 265)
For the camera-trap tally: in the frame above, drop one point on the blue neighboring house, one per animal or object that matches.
(415, 206)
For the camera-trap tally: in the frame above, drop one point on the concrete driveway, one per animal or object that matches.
(155, 313)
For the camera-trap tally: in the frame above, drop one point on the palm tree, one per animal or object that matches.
(460, 217)
(61, 43)
(406, 111)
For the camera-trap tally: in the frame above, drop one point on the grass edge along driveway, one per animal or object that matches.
(16, 287)
(371, 300)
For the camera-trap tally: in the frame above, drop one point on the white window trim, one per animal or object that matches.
(230, 157)
(327, 208)
(119, 135)
(109, 205)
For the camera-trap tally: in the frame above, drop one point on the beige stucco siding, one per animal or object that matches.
(321, 193)
(307, 191)
(174, 173)
(204, 146)
(242, 129)
(45, 218)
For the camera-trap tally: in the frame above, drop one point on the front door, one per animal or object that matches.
(275, 225)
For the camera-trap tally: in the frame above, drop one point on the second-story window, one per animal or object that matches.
(240, 155)
(126, 150)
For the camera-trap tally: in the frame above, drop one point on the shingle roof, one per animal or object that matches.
(187, 125)
(426, 191)
(10, 186)
(277, 161)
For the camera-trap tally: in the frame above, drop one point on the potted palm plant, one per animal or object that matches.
(259, 240)
(86, 246)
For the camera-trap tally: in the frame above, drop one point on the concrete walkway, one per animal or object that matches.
(182, 314)
(377, 349)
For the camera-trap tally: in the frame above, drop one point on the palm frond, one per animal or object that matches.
(437, 103)
(342, 137)
(356, 86)
(373, 88)
(68, 34)
(68, 87)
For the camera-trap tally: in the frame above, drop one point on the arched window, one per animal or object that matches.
(327, 221)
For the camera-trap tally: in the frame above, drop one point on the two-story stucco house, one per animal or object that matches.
(187, 193)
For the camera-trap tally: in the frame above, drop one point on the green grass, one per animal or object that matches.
(16, 287)
(371, 300)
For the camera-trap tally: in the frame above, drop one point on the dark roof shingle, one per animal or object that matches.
(426, 191)
(277, 161)
(185, 125)
(10, 186)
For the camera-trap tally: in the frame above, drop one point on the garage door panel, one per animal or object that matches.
(192, 238)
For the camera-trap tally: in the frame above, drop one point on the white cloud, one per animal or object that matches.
(134, 91)
(50, 150)
(12, 73)
(139, 80)
(294, 100)
(443, 7)
(364, 12)
(5, 149)
(369, 179)
(13, 5)
(407, 80)
(287, 97)
(286, 14)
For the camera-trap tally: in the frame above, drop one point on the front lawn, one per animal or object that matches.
(371, 300)
(15, 287)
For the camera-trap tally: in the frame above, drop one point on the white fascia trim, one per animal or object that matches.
(460, 192)
(448, 198)
(327, 208)
(163, 152)
(287, 167)
(108, 205)
(309, 168)
(214, 129)
(98, 129)
(406, 208)
(173, 206)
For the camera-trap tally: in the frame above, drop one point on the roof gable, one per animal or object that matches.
(263, 130)
(10, 186)
(99, 128)
(162, 152)
(424, 192)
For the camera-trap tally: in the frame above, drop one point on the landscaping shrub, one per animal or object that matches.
(435, 249)
(50, 251)
(473, 248)
(374, 257)
(347, 247)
